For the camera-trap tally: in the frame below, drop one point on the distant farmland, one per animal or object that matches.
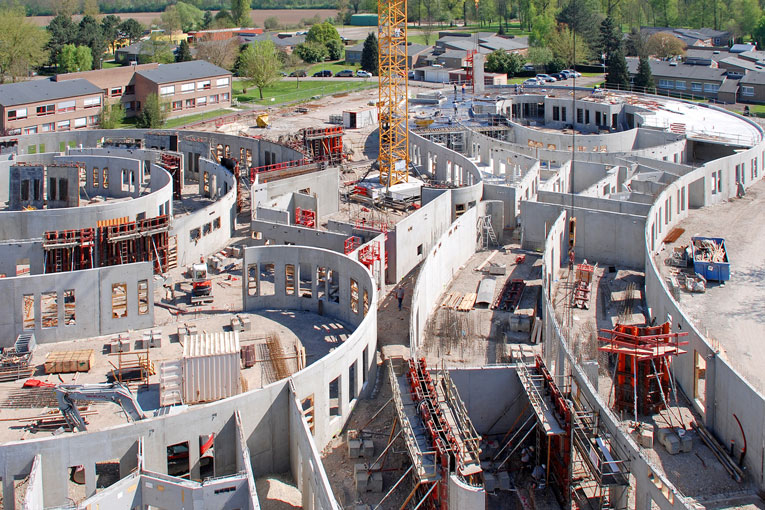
(285, 16)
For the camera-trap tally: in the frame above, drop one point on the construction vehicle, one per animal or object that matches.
(68, 394)
(201, 285)
(261, 120)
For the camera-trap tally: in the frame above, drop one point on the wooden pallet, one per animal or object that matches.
(452, 300)
(673, 235)
(467, 302)
(59, 362)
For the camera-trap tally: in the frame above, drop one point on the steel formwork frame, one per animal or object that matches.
(393, 104)
(69, 250)
(642, 373)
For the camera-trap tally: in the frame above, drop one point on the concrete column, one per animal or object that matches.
(642, 498)
(618, 497)
(307, 494)
(9, 500)
(90, 479)
(194, 472)
(342, 394)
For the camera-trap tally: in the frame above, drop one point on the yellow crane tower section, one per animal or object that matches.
(393, 104)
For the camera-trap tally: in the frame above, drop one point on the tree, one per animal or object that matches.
(616, 71)
(223, 20)
(664, 45)
(62, 31)
(582, 16)
(220, 53)
(311, 52)
(271, 23)
(112, 115)
(22, 44)
(542, 26)
(746, 14)
(540, 56)
(156, 50)
(610, 37)
(154, 113)
(636, 43)
(73, 59)
(90, 8)
(644, 78)
(556, 65)
(322, 33)
(90, 34)
(183, 52)
(759, 32)
(240, 12)
(110, 28)
(496, 61)
(181, 16)
(369, 57)
(259, 63)
(564, 47)
(131, 30)
(335, 49)
(207, 20)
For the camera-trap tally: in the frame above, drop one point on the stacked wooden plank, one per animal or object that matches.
(452, 300)
(467, 302)
(61, 362)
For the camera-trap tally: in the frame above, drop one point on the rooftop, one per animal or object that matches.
(181, 71)
(33, 91)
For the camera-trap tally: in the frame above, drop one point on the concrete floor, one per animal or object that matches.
(731, 315)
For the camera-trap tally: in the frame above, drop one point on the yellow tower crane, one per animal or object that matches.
(393, 104)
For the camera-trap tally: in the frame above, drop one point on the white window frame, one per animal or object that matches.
(711, 87)
(80, 122)
(225, 96)
(21, 113)
(696, 86)
(167, 91)
(214, 99)
(63, 125)
(666, 84)
(679, 85)
(66, 106)
(222, 82)
(202, 101)
(186, 88)
(48, 127)
(189, 104)
(203, 85)
(747, 91)
(92, 102)
(31, 130)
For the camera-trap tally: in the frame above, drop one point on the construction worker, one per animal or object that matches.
(463, 90)
(400, 296)
(539, 476)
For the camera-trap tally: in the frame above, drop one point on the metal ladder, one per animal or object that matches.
(486, 232)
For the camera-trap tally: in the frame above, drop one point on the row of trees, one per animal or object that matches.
(93, 7)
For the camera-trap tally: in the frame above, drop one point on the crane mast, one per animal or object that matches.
(393, 104)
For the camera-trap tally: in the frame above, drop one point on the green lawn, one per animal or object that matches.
(287, 90)
(190, 119)
(110, 64)
(591, 75)
(757, 109)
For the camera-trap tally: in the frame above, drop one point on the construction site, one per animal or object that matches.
(412, 298)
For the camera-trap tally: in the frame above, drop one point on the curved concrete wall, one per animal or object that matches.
(207, 230)
(267, 419)
(727, 392)
(33, 224)
(357, 351)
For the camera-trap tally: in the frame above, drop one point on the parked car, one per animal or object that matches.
(574, 73)
(559, 76)
(545, 78)
(567, 74)
(363, 74)
(345, 73)
(532, 81)
(528, 67)
(325, 73)
(282, 73)
(300, 73)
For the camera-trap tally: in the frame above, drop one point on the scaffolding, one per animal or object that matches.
(642, 372)
(323, 144)
(68, 250)
(172, 163)
(439, 435)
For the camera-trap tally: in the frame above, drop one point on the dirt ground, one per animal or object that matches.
(278, 492)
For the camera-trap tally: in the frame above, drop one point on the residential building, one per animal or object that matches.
(683, 78)
(413, 52)
(751, 88)
(188, 87)
(693, 36)
(222, 34)
(286, 42)
(40, 106)
(118, 83)
(147, 49)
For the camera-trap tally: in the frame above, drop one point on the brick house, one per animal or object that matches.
(40, 106)
(188, 87)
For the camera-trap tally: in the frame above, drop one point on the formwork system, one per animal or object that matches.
(642, 379)
(323, 144)
(172, 163)
(69, 250)
(440, 438)
(305, 217)
(108, 245)
(554, 426)
(580, 298)
(393, 104)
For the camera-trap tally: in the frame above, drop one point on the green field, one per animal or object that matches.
(109, 64)
(191, 119)
(287, 90)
